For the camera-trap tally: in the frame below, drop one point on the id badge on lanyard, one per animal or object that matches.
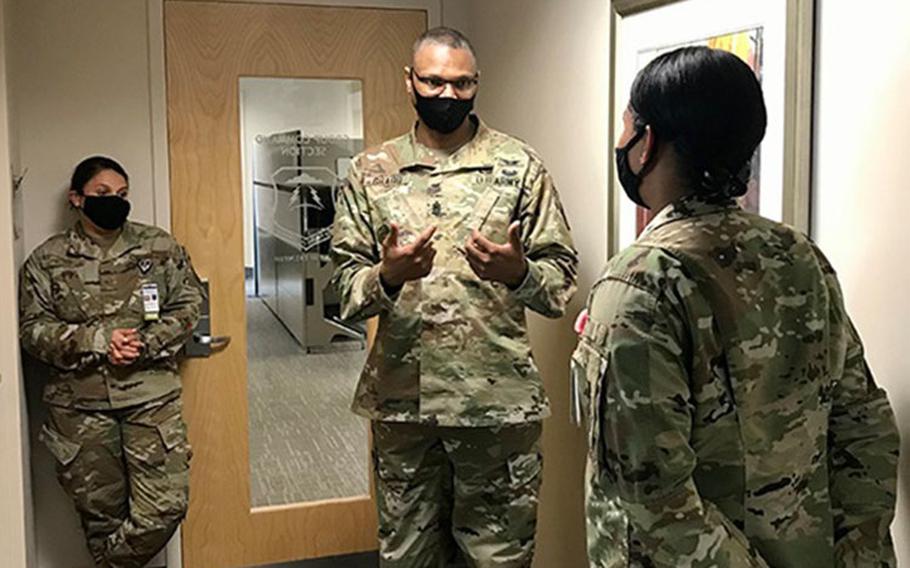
(150, 303)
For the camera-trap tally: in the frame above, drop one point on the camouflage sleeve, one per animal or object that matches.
(66, 346)
(552, 259)
(180, 309)
(645, 420)
(863, 446)
(355, 253)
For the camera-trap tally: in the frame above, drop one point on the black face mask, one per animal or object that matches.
(630, 181)
(108, 212)
(442, 115)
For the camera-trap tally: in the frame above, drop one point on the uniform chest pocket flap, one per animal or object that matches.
(393, 206)
(72, 301)
(493, 212)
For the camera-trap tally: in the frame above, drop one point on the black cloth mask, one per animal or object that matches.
(630, 181)
(443, 115)
(107, 212)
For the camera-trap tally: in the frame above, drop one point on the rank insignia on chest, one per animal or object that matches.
(436, 209)
(145, 265)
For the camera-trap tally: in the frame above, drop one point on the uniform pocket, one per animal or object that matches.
(524, 469)
(177, 450)
(156, 435)
(523, 495)
(62, 448)
(578, 395)
(392, 486)
(589, 370)
(494, 212)
(173, 432)
(72, 302)
(392, 206)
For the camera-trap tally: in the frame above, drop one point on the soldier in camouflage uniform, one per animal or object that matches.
(107, 305)
(733, 421)
(448, 234)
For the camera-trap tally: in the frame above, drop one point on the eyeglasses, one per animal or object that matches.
(436, 85)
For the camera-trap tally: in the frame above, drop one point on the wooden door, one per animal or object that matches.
(209, 47)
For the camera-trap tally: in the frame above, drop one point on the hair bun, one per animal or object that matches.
(720, 183)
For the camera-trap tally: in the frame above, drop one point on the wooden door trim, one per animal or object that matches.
(267, 509)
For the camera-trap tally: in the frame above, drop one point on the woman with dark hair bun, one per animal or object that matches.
(733, 421)
(708, 106)
(107, 305)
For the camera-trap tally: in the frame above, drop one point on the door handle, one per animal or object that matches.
(215, 343)
(202, 343)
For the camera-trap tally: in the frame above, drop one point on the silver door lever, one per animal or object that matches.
(216, 343)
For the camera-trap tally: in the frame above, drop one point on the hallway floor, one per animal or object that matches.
(305, 443)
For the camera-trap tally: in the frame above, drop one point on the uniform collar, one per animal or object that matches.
(688, 207)
(474, 154)
(80, 244)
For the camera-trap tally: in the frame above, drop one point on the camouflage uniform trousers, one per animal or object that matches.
(127, 471)
(457, 496)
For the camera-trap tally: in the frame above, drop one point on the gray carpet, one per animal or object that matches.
(305, 443)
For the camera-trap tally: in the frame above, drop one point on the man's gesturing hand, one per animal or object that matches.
(402, 263)
(498, 263)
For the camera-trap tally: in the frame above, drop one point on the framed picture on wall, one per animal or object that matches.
(776, 39)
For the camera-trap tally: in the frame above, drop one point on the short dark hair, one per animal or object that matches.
(708, 103)
(442, 35)
(90, 167)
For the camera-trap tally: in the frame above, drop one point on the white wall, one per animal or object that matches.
(861, 196)
(544, 78)
(14, 517)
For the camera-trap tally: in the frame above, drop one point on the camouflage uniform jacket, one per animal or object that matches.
(733, 420)
(73, 295)
(451, 349)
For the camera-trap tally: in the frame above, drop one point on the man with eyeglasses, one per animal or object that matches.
(447, 234)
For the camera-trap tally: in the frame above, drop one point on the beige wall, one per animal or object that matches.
(79, 85)
(13, 484)
(544, 79)
(79, 72)
(861, 193)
